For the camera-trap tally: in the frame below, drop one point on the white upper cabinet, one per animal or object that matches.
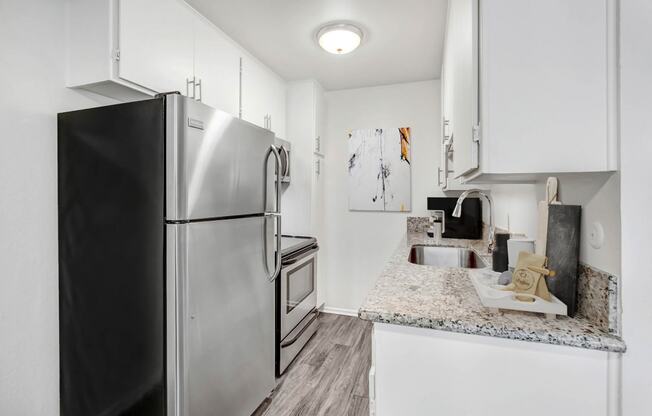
(263, 96)
(132, 49)
(459, 96)
(530, 88)
(156, 44)
(320, 120)
(463, 84)
(217, 69)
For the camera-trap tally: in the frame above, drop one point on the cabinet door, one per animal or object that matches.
(317, 221)
(217, 67)
(320, 120)
(156, 44)
(263, 95)
(462, 77)
(545, 93)
(255, 92)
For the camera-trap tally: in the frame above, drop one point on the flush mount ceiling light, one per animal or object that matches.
(339, 38)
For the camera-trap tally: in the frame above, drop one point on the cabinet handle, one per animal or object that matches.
(200, 94)
(318, 140)
(318, 167)
(188, 82)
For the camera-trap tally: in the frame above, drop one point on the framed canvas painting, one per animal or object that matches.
(380, 171)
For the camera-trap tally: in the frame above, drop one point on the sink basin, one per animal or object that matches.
(446, 257)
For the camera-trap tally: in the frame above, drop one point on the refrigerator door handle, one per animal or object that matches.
(277, 213)
(286, 168)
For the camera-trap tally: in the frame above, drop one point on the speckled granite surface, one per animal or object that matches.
(444, 299)
(418, 224)
(598, 299)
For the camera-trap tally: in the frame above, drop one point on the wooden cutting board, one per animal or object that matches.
(552, 197)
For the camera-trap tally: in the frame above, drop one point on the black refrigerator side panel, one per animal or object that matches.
(111, 163)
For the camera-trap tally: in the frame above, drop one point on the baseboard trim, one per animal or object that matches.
(340, 311)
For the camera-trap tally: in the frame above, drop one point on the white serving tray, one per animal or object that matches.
(493, 297)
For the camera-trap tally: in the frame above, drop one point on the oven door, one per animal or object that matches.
(298, 295)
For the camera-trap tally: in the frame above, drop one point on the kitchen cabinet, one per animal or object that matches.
(421, 371)
(129, 49)
(156, 43)
(457, 108)
(216, 69)
(530, 89)
(320, 120)
(134, 49)
(303, 200)
(263, 96)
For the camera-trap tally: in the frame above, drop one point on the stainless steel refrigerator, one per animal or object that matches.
(168, 228)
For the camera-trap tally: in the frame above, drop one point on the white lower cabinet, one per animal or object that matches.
(424, 372)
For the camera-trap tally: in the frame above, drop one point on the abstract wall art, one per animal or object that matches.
(380, 171)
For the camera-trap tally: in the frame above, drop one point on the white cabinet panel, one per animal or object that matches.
(423, 372)
(539, 78)
(156, 44)
(463, 84)
(132, 49)
(277, 97)
(256, 89)
(217, 67)
(320, 120)
(544, 77)
(263, 96)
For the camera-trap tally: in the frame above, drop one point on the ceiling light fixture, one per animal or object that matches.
(339, 38)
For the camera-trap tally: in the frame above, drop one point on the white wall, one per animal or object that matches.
(599, 195)
(636, 203)
(32, 85)
(359, 243)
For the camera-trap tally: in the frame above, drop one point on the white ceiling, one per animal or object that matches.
(403, 39)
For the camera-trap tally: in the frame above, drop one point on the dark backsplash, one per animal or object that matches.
(468, 226)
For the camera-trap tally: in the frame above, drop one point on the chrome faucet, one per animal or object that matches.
(457, 212)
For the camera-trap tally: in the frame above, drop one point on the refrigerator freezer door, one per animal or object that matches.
(221, 306)
(216, 165)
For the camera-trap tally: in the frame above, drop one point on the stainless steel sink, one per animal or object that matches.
(446, 257)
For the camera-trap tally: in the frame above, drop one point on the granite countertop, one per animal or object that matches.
(445, 299)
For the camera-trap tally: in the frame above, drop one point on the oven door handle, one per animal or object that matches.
(293, 260)
(306, 326)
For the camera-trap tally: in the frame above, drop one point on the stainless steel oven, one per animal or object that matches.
(296, 298)
(284, 149)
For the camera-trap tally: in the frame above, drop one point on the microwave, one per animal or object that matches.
(284, 149)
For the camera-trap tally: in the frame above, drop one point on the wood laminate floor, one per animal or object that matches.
(330, 375)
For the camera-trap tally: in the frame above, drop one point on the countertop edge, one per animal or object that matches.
(605, 343)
